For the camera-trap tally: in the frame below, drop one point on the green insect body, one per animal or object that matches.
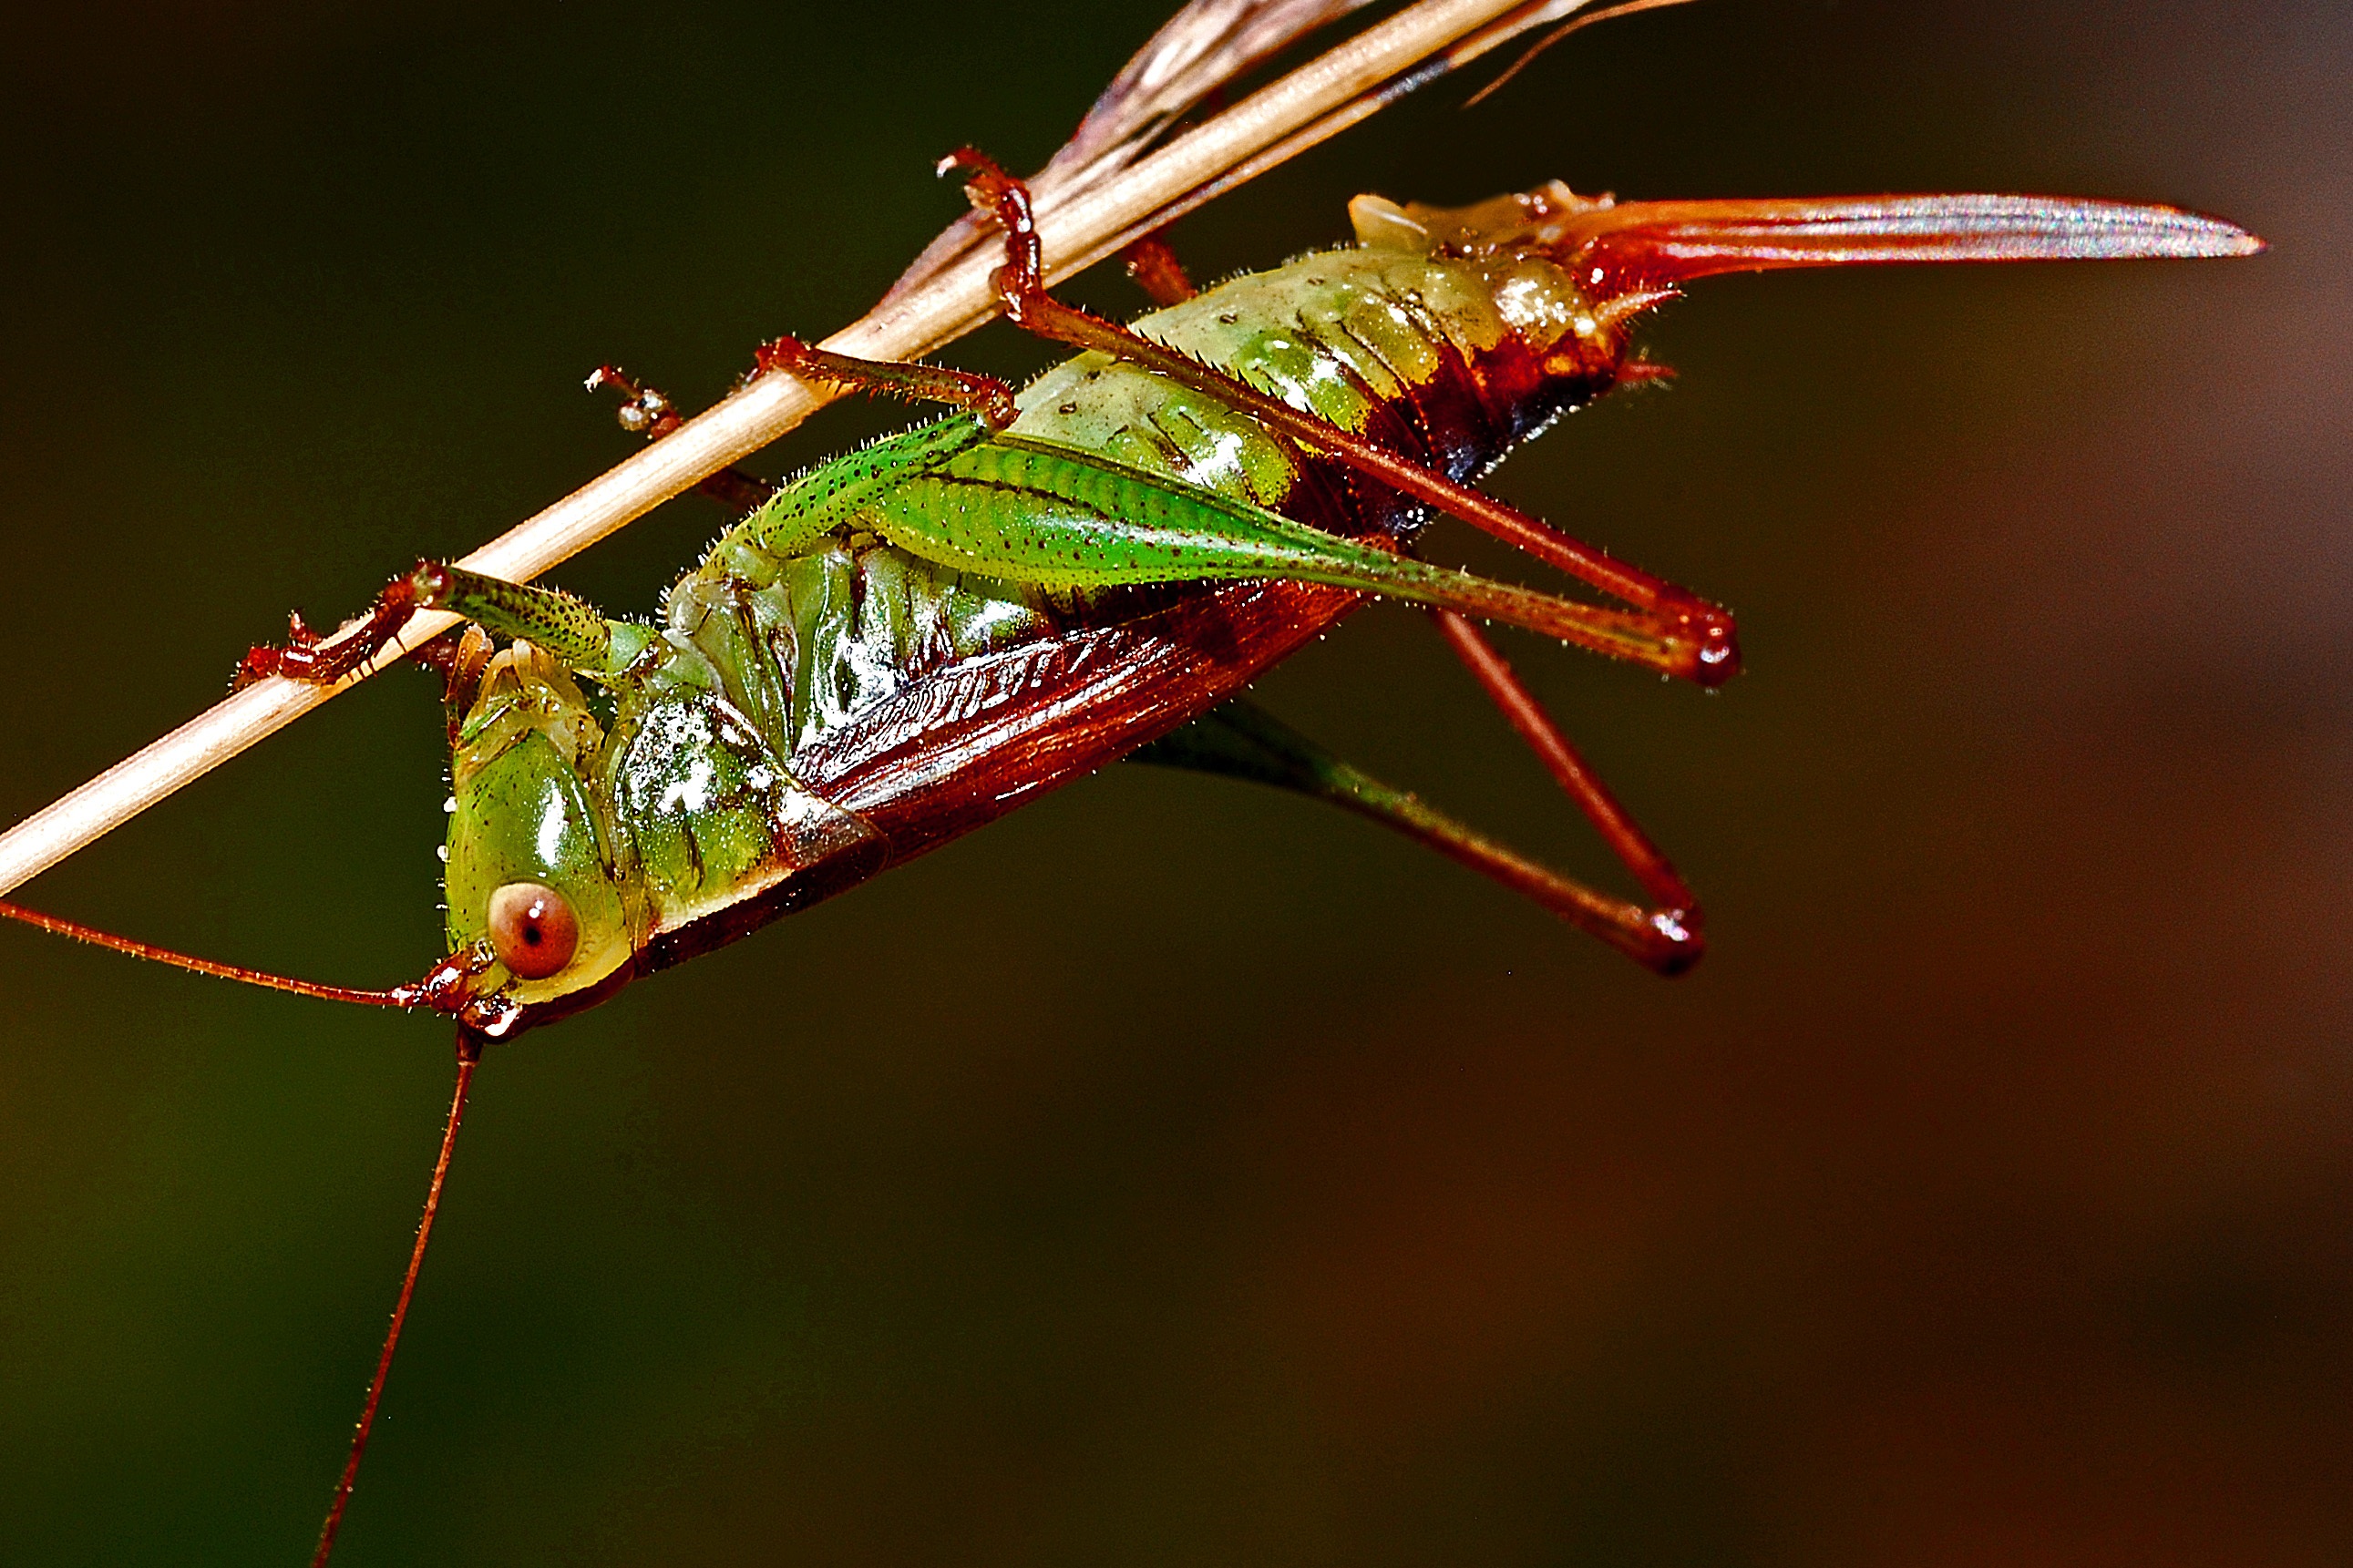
(671, 796)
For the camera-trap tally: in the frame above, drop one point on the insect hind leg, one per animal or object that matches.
(1675, 907)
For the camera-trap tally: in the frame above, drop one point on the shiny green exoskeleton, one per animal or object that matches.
(671, 796)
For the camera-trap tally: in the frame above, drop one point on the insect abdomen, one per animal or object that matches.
(1431, 356)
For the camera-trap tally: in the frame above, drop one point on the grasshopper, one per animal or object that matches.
(910, 640)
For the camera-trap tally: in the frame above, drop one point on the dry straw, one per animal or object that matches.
(1082, 222)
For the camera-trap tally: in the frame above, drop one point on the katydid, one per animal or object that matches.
(911, 639)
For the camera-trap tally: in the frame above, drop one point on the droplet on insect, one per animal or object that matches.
(442, 853)
(450, 806)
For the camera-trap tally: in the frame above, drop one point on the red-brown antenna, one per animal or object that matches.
(469, 1052)
(414, 994)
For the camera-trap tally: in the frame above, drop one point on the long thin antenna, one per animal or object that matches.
(469, 1052)
(408, 995)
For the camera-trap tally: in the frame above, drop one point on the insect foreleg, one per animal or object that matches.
(1696, 639)
(570, 629)
(648, 411)
(1243, 740)
(323, 662)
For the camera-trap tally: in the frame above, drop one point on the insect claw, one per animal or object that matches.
(1717, 641)
(644, 410)
(325, 661)
(970, 161)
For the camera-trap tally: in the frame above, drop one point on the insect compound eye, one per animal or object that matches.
(533, 929)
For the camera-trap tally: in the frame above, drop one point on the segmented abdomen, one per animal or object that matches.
(1409, 350)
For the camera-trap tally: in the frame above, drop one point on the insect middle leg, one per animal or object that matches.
(1699, 637)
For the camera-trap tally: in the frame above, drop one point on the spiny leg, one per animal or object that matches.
(1243, 740)
(307, 657)
(567, 628)
(570, 629)
(1073, 507)
(323, 662)
(984, 395)
(1699, 636)
(1058, 518)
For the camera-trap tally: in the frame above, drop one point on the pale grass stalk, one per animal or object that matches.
(1282, 119)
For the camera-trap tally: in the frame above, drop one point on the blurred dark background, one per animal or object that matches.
(1172, 1172)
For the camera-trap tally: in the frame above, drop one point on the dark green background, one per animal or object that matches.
(1172, 1173)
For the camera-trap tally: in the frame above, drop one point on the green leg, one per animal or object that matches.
(1243, 740)
(570, 629)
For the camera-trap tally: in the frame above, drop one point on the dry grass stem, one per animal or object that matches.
(1321, 97)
